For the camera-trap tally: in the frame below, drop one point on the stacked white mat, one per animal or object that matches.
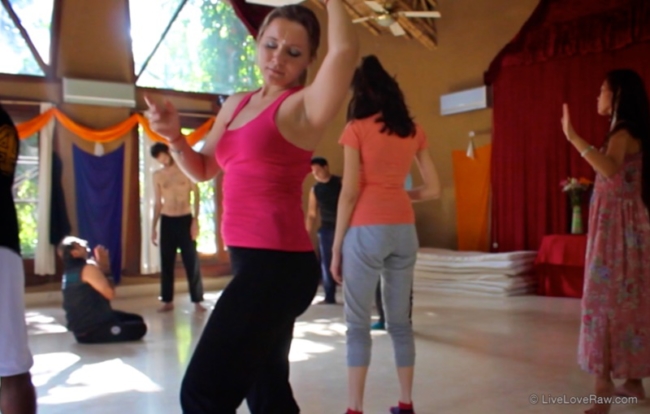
(475, 273)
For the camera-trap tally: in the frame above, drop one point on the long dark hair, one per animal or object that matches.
(631, 111)
(374, 91)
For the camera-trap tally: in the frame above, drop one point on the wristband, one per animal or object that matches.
(178, 138)
(587, 151)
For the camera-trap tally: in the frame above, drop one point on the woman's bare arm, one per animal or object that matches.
(199, 166)
(322, 99)
(431, 188)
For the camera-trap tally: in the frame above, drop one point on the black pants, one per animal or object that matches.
(175, 232)
(244, 350)
(126, 327)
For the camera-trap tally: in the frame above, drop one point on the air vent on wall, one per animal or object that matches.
(464, 101)
(101, 93)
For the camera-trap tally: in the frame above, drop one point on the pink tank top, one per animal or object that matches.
(262, 184)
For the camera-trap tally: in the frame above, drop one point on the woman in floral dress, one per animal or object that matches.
(615, 329)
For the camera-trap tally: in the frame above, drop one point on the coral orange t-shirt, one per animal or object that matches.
(385, 163)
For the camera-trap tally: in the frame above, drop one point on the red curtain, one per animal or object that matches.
(530, 155)
(565, 28)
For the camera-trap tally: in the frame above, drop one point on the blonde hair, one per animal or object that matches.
(298, 14)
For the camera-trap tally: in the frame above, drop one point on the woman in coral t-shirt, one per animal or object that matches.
(375, 229)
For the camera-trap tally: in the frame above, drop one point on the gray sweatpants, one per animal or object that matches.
(368, 252)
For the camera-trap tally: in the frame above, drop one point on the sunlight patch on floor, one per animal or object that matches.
(39, 324)
(96, 380)
(47, 366)
(303, 349)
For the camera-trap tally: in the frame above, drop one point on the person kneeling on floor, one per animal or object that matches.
(87, 292)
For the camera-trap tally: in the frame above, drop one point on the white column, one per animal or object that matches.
(150, 256)
(44, 260)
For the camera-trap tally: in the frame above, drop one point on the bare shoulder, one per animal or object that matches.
(91, 271)
(294, 125)
(231, 103)
(294, 105)
(621, 135)
(623, 139)
(236, 97)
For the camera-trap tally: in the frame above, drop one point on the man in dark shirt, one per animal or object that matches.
(323, 201)
(17, 395)
(87, 292)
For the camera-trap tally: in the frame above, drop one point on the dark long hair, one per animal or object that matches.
(631, 111)
(374, 91)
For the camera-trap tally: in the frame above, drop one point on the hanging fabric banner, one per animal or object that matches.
(99, 192)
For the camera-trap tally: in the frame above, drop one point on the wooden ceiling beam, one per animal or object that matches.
(354, 13)
(418, 27)
(421, 30)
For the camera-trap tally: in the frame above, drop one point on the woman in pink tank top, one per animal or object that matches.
(263, 142)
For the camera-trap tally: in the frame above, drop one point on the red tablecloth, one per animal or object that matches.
(560, 265)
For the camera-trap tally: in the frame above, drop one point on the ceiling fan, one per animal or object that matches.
(386, 17)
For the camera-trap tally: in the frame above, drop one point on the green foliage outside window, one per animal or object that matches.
(25, 191)
(207, 49)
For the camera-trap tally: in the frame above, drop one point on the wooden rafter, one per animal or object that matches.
(162, 37)
(353, 12)
(356, 14)
(422, 30)
(55, 37)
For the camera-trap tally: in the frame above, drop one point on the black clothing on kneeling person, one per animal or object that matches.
(89, 314)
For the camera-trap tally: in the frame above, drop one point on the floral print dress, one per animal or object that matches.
(616, 299)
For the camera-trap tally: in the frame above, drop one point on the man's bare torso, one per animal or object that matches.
(175, 190)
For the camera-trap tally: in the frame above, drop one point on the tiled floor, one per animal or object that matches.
(475, 355)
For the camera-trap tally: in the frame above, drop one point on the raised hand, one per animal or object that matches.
(163, 119)
(567, 128)
(102, 258)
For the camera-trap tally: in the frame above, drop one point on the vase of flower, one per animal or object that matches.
(576, 220)
(575, 188)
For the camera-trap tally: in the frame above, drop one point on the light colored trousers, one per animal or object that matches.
(368, 252)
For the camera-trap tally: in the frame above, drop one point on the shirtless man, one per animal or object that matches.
(178, 228)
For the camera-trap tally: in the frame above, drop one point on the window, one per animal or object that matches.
(30, 54)
(203, 46)
(25, 188)
(207, 239)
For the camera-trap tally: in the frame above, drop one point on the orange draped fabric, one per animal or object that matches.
(472, 183)
(192, 138)
(100, 135)
(27, 129)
